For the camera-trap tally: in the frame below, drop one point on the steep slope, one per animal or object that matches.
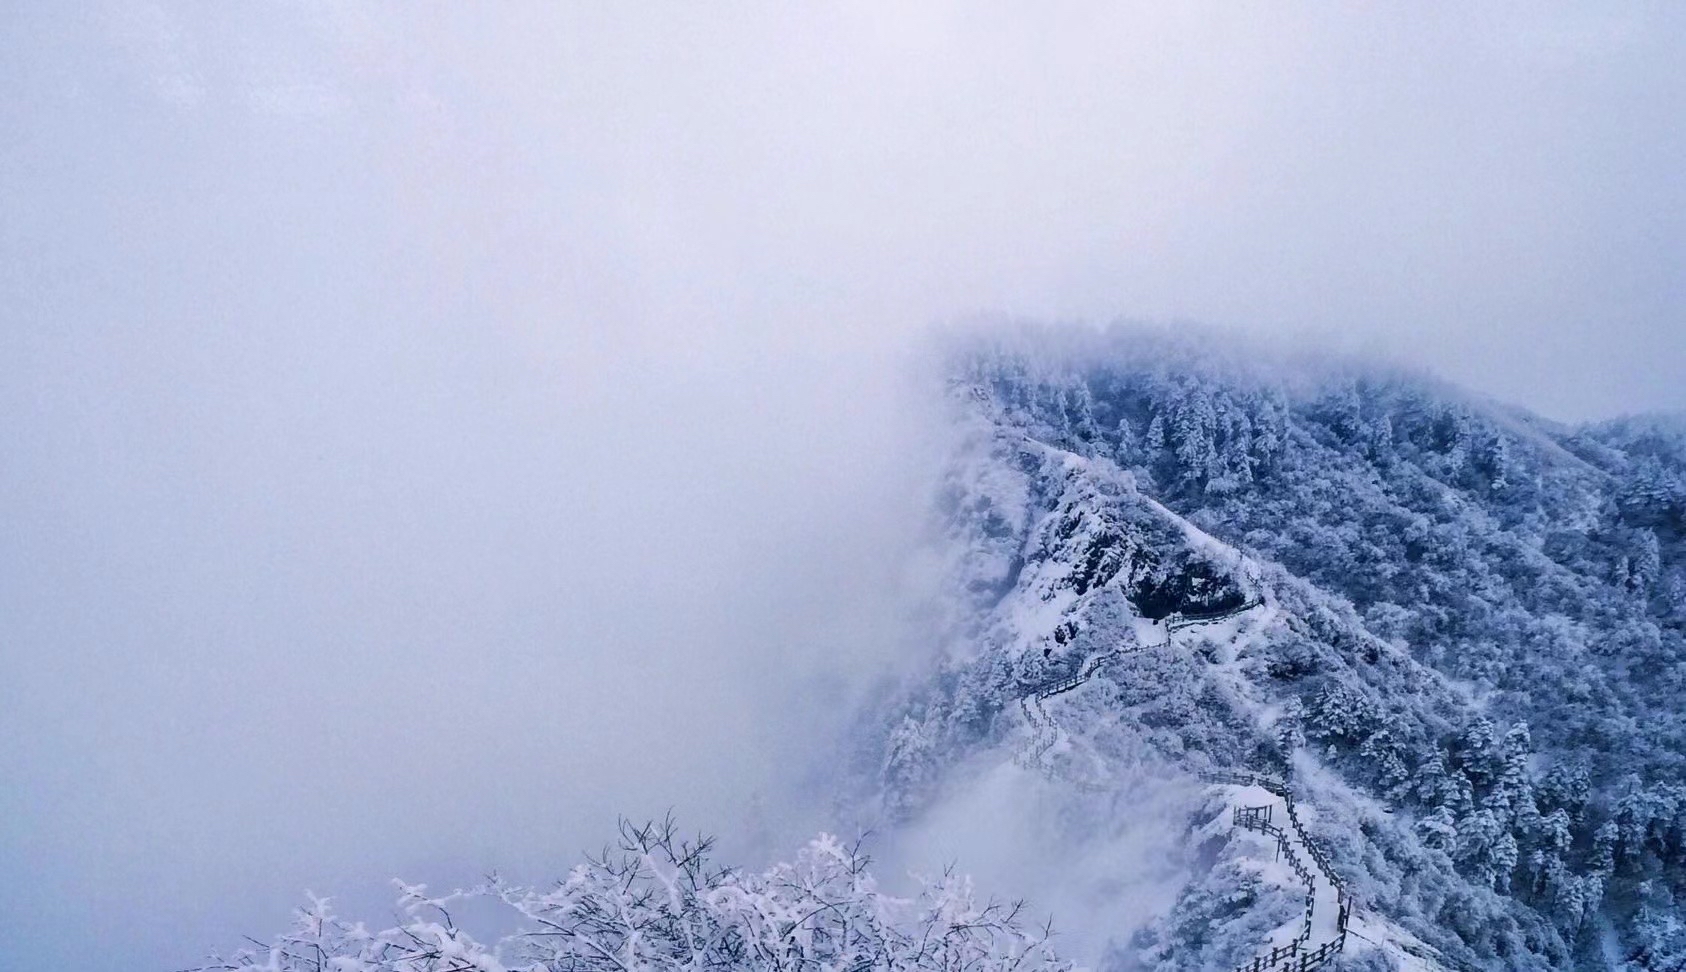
(1468, 651)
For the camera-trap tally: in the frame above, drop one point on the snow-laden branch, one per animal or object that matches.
(654, 903)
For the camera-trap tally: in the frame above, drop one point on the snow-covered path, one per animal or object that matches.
(1321, 925)
(1046, 733)
(1262, 805)
(1326, 895)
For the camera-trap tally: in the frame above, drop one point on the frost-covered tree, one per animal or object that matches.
(656, 903)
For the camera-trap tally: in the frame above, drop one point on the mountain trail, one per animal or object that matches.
(1257, 803)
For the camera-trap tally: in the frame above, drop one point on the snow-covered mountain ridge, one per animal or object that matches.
(1468, 651)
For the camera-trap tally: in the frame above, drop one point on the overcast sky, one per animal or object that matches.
(430, 430)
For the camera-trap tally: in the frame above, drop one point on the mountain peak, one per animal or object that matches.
(1460, 627)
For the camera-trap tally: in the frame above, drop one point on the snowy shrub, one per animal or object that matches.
(656, 903)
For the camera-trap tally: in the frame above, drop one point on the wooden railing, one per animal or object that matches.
(1175, 622)
(1187, 618)
(1295, 956)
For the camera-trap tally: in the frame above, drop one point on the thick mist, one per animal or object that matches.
(430, 432)
(425, 601)
(1097, 868)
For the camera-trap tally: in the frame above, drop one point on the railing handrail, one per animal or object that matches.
(1257, 818)
(1183, 620)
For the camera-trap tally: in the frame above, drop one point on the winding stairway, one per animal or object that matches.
(1262, 804)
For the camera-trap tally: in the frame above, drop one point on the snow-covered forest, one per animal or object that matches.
(1474, 652)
